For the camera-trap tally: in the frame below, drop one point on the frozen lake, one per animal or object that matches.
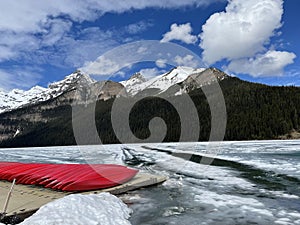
(258, 182)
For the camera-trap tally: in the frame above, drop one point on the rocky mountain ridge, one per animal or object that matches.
(185, 78)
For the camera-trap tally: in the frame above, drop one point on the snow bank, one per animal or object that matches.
(95, 209)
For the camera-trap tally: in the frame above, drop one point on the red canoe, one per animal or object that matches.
(67, 177)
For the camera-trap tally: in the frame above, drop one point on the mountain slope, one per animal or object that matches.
(19, 98)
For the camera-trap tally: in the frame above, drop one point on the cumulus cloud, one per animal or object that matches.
(269, 64)
(241, 30)
(180, 33)
(187, 60)
(241, 34)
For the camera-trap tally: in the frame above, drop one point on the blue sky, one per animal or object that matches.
(43, 41)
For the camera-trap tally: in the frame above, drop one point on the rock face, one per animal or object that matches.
(204, 78)
(109, 89)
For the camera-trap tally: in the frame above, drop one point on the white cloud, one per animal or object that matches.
(21, 78)
(69, 51)
(39, 23)
(30, 15)
(187, 60)
(180, 33)
(102, 66)
(13, 44)
(40, 32)
(88, 46)
(5, 53)
(268, 64)
(138, 27)
(121, 6)
(121, 74)
(241, 34)
(241, 31)
(151, 72)
(142, 50)
(56, 30)
(161, 63)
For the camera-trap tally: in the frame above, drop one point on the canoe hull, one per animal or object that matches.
(67, 177)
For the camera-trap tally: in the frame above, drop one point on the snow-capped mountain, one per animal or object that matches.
(187, 78)
(138, 83)
(17, 98)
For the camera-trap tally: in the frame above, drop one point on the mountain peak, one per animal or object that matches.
(137, 75)
(220, 75)
(134, 80)
(74, 78)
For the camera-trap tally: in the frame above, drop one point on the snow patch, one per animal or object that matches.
(104, 209)
(17, 132)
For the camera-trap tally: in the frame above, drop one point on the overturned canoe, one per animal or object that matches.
(67, 177)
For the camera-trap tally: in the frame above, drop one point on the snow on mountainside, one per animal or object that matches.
(17, 98)
(135, 79)
(162, 82)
